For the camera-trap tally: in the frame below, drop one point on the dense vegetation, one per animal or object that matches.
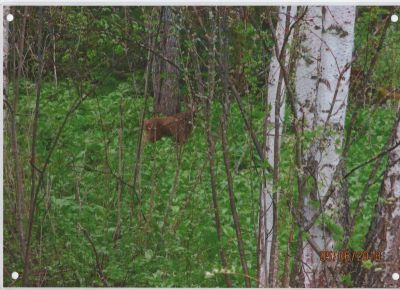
(162, 231)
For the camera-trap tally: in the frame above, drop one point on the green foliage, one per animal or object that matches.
(177, 253)
(346, 280)
(367, 264)
(164, 234)
(371, 132)
(368, 32)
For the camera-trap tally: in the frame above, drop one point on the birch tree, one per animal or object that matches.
(309, 67)
(276, 105)
(390, 214)
(322, 83)
(308, 73)
(384, 236)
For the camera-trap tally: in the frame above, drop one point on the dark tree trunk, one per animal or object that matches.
(165, 72)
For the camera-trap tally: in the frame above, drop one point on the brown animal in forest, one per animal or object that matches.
(178, 127)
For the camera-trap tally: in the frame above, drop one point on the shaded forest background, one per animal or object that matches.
(99, 211)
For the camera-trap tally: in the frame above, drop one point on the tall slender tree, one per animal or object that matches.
(19, 47)
(383, 240)
(308, 73)
(211, 145)
(268, 219)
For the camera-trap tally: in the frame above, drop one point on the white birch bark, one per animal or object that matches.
(337, 48)
(322, 83)
(391, 187)
(309, 66)
(276, 105)
(308, 73)
(384, 235)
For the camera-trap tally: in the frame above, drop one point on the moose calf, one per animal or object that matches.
(178, 127)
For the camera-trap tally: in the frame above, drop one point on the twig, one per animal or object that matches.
(247, 123)
(235, 217)
(211, 150)
(32, 208)
(96, 255)
(380, 155)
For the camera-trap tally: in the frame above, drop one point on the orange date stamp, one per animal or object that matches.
(347, 256)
